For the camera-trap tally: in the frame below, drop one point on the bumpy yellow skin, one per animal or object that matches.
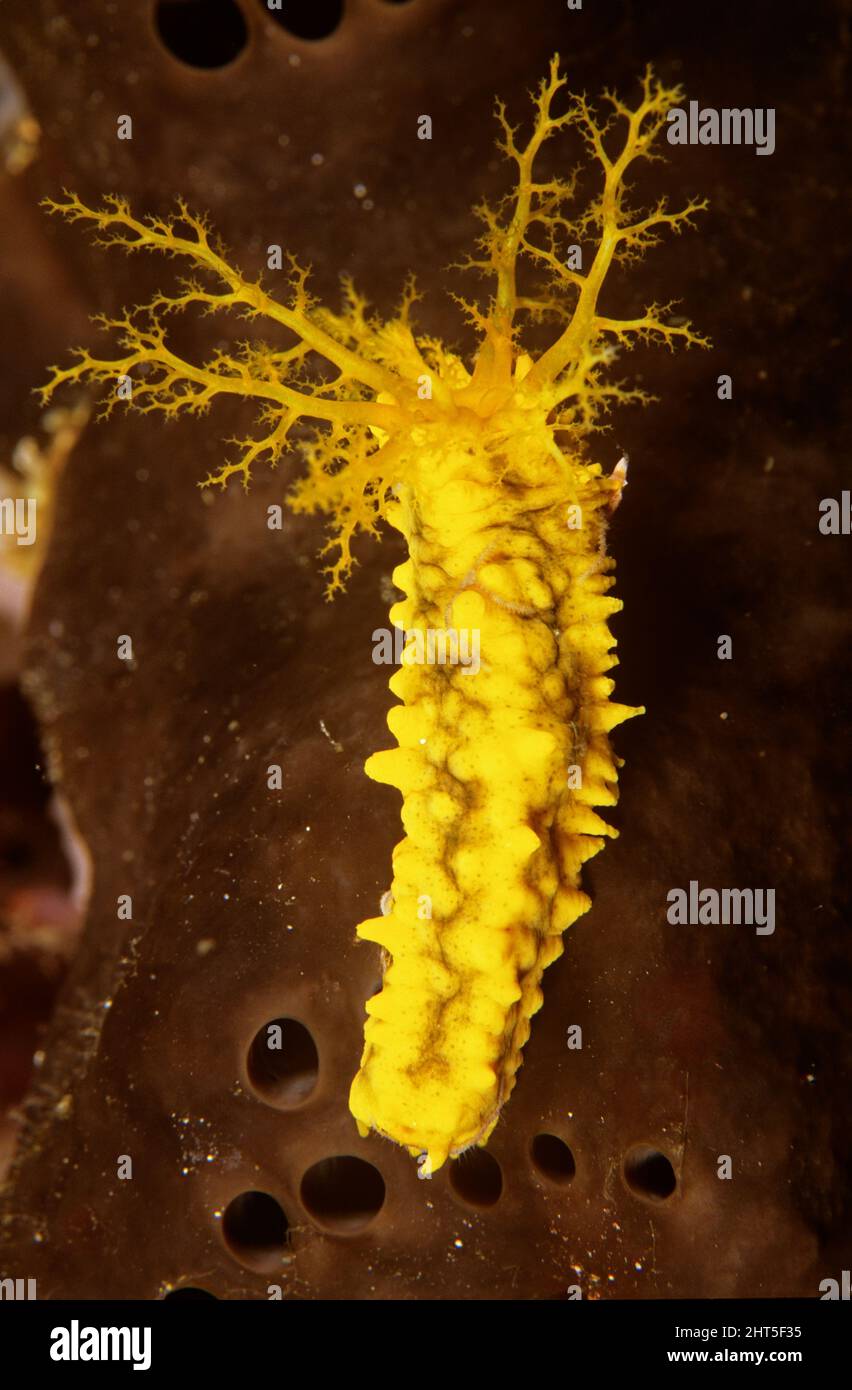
(495, 836)
(486, 473)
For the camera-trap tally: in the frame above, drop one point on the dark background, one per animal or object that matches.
(698, 1041)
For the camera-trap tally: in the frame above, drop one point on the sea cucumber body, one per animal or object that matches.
(497, 828)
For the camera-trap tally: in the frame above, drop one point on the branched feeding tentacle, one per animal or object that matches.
(172, 384)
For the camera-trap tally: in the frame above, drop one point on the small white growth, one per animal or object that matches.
(424, 1166)
(338, 747)
(619, 475)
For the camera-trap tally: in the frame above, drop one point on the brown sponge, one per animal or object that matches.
(245, 1168)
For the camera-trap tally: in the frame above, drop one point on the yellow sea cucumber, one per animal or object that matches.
(486, 472)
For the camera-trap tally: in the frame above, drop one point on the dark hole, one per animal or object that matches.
(649, 1173)
(254, 1228)
(343, 1193)
(477, 1178)
(15, 854)
(189, 1292)
(283, 1063)
(305, 19)
(202, 33)
(553, 1159)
